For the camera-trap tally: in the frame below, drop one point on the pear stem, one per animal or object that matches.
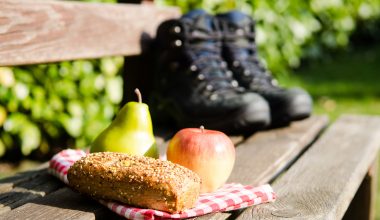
(202, 128)
(138, 93)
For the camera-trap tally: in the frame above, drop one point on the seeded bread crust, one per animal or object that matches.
(136, 180)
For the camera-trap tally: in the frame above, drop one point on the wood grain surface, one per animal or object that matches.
(322, 183)
(61, 204)
(267, 153)
(48, 31)
(25, 187)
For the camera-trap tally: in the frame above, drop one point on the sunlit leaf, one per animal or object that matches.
(30, 138)
(114, 89)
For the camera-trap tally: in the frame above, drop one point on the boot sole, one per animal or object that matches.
(249, 119)
(296, 113)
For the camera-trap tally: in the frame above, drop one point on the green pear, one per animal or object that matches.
(130, 132)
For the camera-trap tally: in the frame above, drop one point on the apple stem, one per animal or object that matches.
(202, 128)
(138, 93)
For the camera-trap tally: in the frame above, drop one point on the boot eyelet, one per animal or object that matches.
(193, 68)
(246, 73)
(178, 43)
(177, 29)
(209, 87)
(213, 97)
(239, 32)
(234, 83)
(236, 63)
(201, 77)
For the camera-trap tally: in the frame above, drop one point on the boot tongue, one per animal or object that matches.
(202, 30)
(238, 26)
(237, 19)
(201, 21)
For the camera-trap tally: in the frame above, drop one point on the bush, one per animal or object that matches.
(41, 104)
(288, 31)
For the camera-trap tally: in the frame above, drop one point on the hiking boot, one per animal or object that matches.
(240, 52)
(194, 86)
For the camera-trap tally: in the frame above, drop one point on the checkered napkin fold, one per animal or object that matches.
(229, 197)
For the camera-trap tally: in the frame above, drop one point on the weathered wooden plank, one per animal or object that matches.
(265, 154)
(62, 204)
(8, 183)
(27, 186)
(322, 183)
(49, 31)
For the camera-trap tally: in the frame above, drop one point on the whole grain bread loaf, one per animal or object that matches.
(136, 180)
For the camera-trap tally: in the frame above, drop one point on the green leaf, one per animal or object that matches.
(73, 125)
(75, 108)
(15, 122)
(108, 66)
(30, 138)
(114, 89)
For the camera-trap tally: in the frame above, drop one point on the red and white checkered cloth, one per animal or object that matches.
(229, 197)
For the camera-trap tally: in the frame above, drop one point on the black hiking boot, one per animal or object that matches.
(194, 86)
(239, 50)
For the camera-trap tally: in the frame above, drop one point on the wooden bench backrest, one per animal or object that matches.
(48, 31)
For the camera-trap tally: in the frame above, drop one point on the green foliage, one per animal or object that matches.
(43, 103)
(289, 30)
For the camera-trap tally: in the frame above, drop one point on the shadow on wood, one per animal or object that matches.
(25, 187)
(62, 204)
(363, 204)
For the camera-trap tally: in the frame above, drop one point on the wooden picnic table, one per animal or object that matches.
(317, 173)
(318, 170)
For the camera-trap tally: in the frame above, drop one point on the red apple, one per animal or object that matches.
(209, 153)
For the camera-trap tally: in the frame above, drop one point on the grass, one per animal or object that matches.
(348, 82)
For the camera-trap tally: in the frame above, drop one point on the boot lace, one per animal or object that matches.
(207, 64)
(247, 61)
